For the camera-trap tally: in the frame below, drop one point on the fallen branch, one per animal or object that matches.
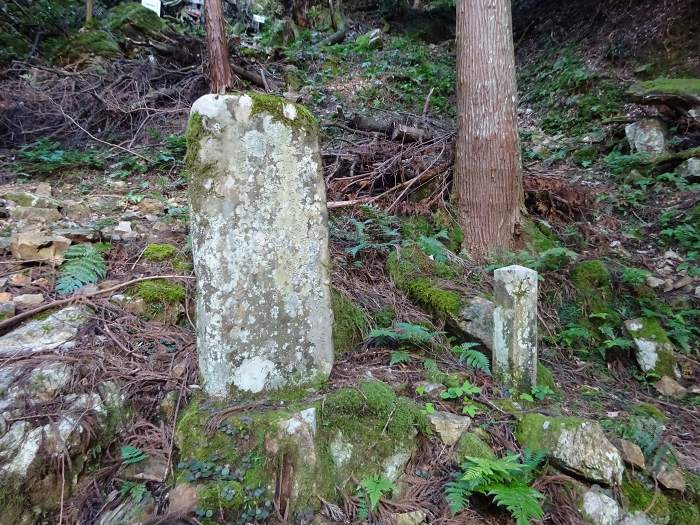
(12, 321)
(339, 35)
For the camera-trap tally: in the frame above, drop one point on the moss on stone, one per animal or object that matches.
(545, 377)
(538, 237)
(90, 42)
(160, 291)
(412, 272)
(537, 430)
(193, 136)
(649, 410)
(638, 497)
(651, 330)
(275, 107)
(134, 16)
(159, 252)
(591, 280)
(684, 513)
(471, 445)
(673, 86)
(349, 323)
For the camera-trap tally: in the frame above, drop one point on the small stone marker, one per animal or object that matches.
(515, 327)
(260, 244)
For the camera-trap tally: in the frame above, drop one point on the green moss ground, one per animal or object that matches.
(594, 293)
(159, 252)
(638, 497)
(85, 43)
(349, 323)
(414, 273)
(134, 15)
(674, 86)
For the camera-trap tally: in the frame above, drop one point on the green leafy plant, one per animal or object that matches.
(455, 392)
(541, 392)
(635, 276)
(428, 408)
(374, 488)
(433, 247)
(46, 156)
(506, 480)
(83, 264)
(572, 334)
(399, 357)
(136, 491)
(470, 409)
(376, 232)
(131, 455)
(404, 333)
(472, 357)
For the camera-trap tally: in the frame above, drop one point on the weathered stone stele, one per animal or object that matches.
(260, 245)
(515, 327)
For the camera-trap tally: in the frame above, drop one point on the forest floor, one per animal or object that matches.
(111, 164)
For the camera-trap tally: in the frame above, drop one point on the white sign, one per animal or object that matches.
(153, 5)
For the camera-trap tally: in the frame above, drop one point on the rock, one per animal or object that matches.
(638, 518)
(134, 305)
(19, 279)
(653, 349)
(654, 282)
(670, 477)
(449, 427)
(35, 216)
(151, 206)
(75, 210)
(432, 390)
(471, 445)
(647, 136)
(123, 231)
(43, 189)
(680, 94)
(7, 309)
(260, 245)
(47, 379)
(5, 244)
(19, 448)
(631, 453)
(31, 200)
(129, 512)
(45, 334)
(690, 169)
(515, 327)
(78, 235)
(35, 246)
(600, 508)
(410, 518)
(152, 469)
(576, 444)
(28, 299)
(476, 320)
(667, 386)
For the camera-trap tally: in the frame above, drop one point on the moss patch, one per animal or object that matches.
(349, 323)
(638, 497)
(471, 445)
(684, 513)
(413, 272)
(594, 290)
(649, 410)
(274, 106)
(193, 136)
(545, 377)
(538, 237)
(160, 291)
(159, 252)
(134, 16)
(674, 86)
(91, 42)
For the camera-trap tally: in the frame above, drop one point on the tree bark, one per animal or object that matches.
(88, 12)
(220, 77)
(487, 179)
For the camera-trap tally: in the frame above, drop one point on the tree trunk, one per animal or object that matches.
(220, 77)
(88, 12)
(487, 180)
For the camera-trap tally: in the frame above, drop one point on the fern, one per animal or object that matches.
(521, 501)
(131, 455)
(432, 246)
(472, 357)
(404, 332)
(83, 264)
(506, 480)
(376, 486)
(398, 357)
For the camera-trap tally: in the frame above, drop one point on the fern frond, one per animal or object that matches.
(533, 458)
(521, 501)
(492, 470)
(83, 264)
(457, 493)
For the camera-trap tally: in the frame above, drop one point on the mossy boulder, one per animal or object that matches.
(653, 349)
(163, 299)
(417, 275)
(679, 93)
(349, 323)
(299, 453)
(133, 19)
(85, 44)
(591, 280)
(577, 445)
(471, 445)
